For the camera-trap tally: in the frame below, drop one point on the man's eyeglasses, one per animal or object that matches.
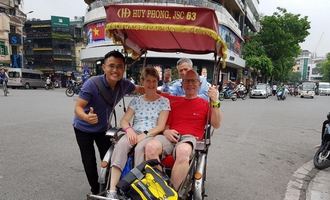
(117, 67)
(192, 81)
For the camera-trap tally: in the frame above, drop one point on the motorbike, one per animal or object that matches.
(5, 88)
(227, 93)
(321, 157)
(295, 91)
(49, 86)
(281, 94)
(241, 93)
(73, 88)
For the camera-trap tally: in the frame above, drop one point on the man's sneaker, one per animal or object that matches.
(112, 195)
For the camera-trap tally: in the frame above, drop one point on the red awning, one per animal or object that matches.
(164, 29)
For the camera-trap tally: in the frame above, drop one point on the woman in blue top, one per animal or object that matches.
(149, 113)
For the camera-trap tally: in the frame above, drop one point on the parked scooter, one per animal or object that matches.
(322, 156)
(227, 93)
(73, 88)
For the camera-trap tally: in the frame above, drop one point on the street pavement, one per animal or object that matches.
(263, 150)
(308, 183)
(319, 186)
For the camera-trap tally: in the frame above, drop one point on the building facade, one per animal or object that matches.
(77, 31)
(307, 64)
(236, 17)
(49, 45)
(54, 45)
(11, 33)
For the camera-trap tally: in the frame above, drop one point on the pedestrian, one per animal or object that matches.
(92, 112)
(167, 79)
(274, 89)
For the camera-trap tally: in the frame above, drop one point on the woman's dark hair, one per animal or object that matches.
(115, 54)
(151, 71)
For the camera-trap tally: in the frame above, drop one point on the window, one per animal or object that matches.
(13, 74)
(35, 76)
(3, 48)
(12, 29)
(25, 75)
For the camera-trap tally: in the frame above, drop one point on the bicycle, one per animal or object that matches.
(5, 88)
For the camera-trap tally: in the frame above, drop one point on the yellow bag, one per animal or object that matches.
(152, 186)
(146, 183)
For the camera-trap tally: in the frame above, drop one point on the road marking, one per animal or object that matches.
(297, 186)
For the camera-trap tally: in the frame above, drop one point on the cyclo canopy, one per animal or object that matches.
(139, 28)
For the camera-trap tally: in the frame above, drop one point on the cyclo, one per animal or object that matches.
(167, 29)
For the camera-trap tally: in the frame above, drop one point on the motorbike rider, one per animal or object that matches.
(281, 91)
(240, 88)
(48, 82)
(3, 77)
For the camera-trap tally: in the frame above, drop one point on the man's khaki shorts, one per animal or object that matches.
(169, 147)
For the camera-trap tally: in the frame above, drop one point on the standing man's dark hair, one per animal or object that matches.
(92, 112)
(115, 54)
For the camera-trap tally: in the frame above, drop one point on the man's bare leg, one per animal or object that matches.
(181, 165)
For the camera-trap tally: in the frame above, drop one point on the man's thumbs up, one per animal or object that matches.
(92, 117)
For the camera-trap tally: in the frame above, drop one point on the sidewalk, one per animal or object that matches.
(319, 186)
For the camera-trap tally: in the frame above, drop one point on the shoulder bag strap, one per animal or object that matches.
(105, 94)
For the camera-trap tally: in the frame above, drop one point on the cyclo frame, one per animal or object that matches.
(170, 32)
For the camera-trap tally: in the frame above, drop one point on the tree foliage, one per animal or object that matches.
(294, 77)
(325, 69)
(278, 40)
(256, 57)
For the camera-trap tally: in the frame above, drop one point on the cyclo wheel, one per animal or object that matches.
(199, 188)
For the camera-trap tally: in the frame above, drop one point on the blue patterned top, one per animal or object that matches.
(146, 113)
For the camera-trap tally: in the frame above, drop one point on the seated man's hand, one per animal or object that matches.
(171, 135)
(213, 93)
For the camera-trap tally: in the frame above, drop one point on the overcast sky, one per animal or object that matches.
(316, 10)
